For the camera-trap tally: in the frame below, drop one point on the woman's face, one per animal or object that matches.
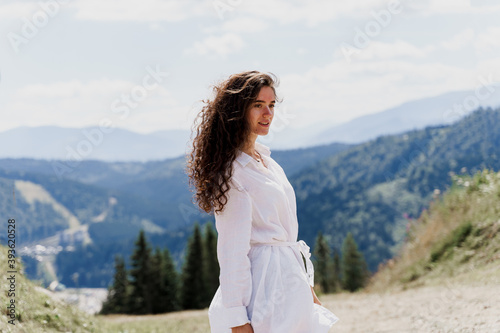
(261, 112)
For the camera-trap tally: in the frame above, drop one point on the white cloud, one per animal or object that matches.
(384, 51)
(73, 88)
(239, 25)
(75, 104)
(310, 12)
(485, 6)
(460, 40)
(338, 92)
(447, 6)
(218, 45)
(302, 51)
(11, 10)
(489, 67)
(283, 11)
(487, 43)
(433, 7)
(315, 12)
(385, 74)
(143, 11)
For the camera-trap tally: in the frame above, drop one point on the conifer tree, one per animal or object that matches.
(193, 295)
(210, 261)
(172, 292)
(323, 271)
(158, 282)
(354, 271)
(141, 297)
(117, 300)
(336, 271)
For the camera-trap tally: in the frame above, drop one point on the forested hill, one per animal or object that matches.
(155, 192)
(372, 189)
(103, 205)
(366, 189)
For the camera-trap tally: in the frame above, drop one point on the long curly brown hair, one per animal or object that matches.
(221, 128)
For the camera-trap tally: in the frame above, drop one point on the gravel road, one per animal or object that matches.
(448, 308)
(459, 308)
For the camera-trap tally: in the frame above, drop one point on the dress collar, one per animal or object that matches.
(243, 158)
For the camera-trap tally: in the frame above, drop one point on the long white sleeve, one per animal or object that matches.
(234, 225)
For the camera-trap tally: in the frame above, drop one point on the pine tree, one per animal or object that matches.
(354, 271)
(117, 300)
(165, 283)
(141, 297)
(172, 292)
(158, 282)
(323, 271)
(193, 275)
(336, 271)
(210, 261)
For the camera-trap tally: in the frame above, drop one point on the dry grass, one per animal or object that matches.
(459, 233)
(175, 322)
(36, 311)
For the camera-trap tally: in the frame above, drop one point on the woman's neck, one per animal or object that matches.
(249, 147)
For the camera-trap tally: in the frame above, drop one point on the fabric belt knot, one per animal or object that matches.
(303, 249)
(306, 252)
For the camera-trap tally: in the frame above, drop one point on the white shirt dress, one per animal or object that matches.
(263, 279)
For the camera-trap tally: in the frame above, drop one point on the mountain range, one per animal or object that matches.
(93, 143)
(97, 208)
(444, 109)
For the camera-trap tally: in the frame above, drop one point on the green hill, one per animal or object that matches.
(371, 188)
(35, 310)
(457, 238)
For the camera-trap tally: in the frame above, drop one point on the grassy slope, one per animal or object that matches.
(457, 239)
(36, 311)
(194, 321)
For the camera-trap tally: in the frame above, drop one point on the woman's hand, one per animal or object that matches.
(315, 298)
(247, 328)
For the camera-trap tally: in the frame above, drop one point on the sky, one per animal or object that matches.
(148, 65)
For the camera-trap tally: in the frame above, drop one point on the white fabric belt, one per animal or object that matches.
(303, 248)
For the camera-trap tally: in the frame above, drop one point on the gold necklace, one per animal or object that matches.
(259, 158)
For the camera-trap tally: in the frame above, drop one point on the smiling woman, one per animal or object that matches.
(266, 275)
(259, 116)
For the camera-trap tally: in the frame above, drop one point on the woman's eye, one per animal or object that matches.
(271, 106)
(258, 105)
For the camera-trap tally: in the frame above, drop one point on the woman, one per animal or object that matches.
(266, 276)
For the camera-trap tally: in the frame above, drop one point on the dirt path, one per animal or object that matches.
(443, 309)
(450, 308)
